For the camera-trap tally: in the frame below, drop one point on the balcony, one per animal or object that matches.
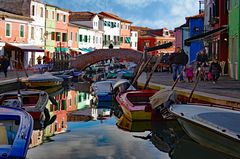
(214, 20)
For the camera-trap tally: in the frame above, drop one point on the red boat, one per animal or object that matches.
(136, 104)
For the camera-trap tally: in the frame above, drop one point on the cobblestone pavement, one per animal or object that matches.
(224, 87)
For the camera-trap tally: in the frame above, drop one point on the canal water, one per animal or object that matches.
(96, 133)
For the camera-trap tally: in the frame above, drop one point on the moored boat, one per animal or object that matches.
(102, 90)
(42, 81)
(213, 127)
(136, 104)
(16, 127)
(32, 101)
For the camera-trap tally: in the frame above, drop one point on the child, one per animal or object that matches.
(189, 73)
(215, 70)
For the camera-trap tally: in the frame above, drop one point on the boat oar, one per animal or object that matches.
(194, 87)
(153, 69)
(176, 81)
(141, 70)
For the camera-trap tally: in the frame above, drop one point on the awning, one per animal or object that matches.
(205, 35)
(24, 48)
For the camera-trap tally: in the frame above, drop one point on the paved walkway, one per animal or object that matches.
(11, 75)
(225, 92)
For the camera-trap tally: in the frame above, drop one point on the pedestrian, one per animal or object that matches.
(39, 60)
(189, 73)
(5, 64)
(178, 60)
(215, 70)
(202, 58)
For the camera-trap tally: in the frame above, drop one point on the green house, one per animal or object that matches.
(234, 43)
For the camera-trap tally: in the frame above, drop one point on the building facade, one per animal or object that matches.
(61, 34)
(234, 43)
(50, 30)
(196, 27)
(125, 34)
(73, 39)
(134, 39)
(151, 38)
(90, 30)
(111, 27)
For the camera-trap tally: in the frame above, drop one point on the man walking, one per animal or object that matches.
(178, 60)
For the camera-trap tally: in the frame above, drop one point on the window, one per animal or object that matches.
(58, 16)
(21, 31)
(41, 11)
(58, 36)
(64, 18)
(118, 25)
(76, 37)
(41, 33)
(80, 38)
(53, 35)
(32, 33)
(33, 10)
(8, 29)
(89, 38)
(64, 37)
(71, 36)
(53, 13)
(93, 39)
(46, 13)
(105, 23)
(135, 44)
(96, 40)
(85, 38)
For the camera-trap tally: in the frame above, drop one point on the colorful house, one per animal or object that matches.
(111, 27)
(196, 27)
(134, 38)
(90, 31)
(73, 39)
(125, 33)
(155, 37)
(50, 30)
(61, 34)
(234, 43)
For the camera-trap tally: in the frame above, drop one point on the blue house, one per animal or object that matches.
(196, 26)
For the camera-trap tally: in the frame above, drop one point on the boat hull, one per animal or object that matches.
(134, 110)
(211, 139)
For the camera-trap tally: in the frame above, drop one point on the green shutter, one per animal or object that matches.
(21, 31)
(8, 30)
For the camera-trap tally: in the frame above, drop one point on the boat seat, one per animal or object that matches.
(3, 135)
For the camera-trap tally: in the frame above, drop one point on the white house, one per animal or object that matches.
(111, 27)
(134, 39)
(36, 29)
(90, 29)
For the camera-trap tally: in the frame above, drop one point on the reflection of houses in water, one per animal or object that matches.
(83, 100)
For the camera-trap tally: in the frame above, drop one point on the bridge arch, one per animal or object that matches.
(93, 57)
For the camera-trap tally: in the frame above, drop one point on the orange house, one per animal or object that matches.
(61, 34)
(125, 33)
(72, 100)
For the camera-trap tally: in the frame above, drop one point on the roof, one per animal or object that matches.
(25, 47)
(81, 16)
(139, 28)
(201, 15)
(4, 14)
(57, 7)
(81, 25)
(113, 16)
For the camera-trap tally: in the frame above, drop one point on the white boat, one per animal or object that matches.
(213, 127)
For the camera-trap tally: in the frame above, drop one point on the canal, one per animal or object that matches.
(82, 131)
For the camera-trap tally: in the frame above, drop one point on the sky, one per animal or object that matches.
(148, 13)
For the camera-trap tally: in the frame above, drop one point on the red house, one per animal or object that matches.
(151, 38)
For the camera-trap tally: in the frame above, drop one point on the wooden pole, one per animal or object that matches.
(153, 69)
(141, 70)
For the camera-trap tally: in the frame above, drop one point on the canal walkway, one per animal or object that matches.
(226, 91)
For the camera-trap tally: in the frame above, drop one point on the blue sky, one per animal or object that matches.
(149, 13)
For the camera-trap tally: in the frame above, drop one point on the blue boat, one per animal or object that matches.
(16, 127)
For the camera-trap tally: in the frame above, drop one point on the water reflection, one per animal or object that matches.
(103, 132)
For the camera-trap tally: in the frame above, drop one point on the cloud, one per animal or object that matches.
(149, 13)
